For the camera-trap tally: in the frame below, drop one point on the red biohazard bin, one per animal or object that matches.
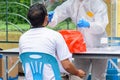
(74, 40)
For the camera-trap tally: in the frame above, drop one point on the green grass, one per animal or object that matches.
(25, 27)
(13, 27)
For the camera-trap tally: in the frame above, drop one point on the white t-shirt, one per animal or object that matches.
(47, 41)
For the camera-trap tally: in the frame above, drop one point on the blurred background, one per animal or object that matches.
(13, 22)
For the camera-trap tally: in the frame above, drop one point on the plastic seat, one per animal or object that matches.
(111, 69)
(112, 73)
(36, 61)
(1, 56)
(113, 41)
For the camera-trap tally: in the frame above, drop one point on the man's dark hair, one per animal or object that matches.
(36, 15)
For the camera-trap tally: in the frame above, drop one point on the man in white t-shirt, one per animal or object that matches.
(41, 39)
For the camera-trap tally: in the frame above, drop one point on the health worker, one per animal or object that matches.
(91, 19)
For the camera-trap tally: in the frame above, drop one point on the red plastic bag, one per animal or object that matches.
(74, 40)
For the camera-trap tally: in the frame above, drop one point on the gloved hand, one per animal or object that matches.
(50, 15)
(83, 24)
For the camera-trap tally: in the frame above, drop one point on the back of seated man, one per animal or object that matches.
(41, 39)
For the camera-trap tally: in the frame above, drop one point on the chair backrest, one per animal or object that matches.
(113, 41)
(36, 60)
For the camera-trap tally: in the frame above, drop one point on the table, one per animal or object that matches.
(105, 52)
(6, 53)
(102, 53)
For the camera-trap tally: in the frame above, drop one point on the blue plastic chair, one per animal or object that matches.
(112, 73)
(1, 78)
(1, 56)
(36, 66)
(13, 78)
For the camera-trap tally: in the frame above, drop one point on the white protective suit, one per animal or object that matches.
(98, 19)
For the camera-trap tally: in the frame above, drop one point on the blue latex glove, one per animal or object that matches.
(83, 24)
(50, 15)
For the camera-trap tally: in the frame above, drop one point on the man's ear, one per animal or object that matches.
(45, 21)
